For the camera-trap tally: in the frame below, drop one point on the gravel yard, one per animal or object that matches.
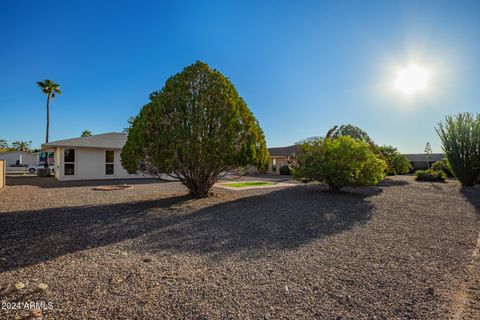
(402, 250)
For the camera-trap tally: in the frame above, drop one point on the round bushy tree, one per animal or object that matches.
(196, 129)
(396, 162)
(350, 130)
(339, 162)
(460, 135)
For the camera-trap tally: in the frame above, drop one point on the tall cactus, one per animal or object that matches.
(460, 135)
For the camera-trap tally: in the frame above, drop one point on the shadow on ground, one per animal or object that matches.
(472, 194)
(389, 182)
(51, 182)
(280, 219)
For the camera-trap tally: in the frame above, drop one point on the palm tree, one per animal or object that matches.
(21, 145)
(51, 89)
(86, 133)
(3, 144)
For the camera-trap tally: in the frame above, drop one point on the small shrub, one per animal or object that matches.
(444, 166)
(285, 170)
(430, 175)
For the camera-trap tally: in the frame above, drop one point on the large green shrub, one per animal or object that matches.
(396, 162)
(430, 175)
(339, 162)
(196, 129)
(460, 135)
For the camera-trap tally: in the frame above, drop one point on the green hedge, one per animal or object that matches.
(430, 175)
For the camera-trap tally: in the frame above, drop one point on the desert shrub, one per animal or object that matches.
(396, 162)
(444, 166)
(430, 175)
(460, 136)
(285, 170)
(195, 129)
(339, 162)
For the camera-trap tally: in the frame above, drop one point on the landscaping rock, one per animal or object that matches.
(42, 286)
(36, 314)
(19, 286)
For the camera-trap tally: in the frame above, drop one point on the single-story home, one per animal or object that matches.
(279, 157)
(24, 158)
(90, 158)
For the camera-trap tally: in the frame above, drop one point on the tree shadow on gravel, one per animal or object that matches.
(279, 219)
(472, 195)
(51, 182)
(390, 182)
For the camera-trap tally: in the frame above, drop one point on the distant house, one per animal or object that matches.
(279, 157)
(420, 161)
(90, 158)
(19, 158)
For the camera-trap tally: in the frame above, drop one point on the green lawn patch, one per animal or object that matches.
(248, 184)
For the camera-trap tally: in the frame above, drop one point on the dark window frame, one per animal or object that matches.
(69, 163)
(109, 165)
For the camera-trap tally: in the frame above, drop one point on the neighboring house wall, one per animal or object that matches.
(90, 164)
(275, 164)
(2, 174)
(421, 165)
(421, 161)
(25, 158)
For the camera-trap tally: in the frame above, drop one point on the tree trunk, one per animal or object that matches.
(46, 165)
(48, 117)
(200, 185)
(333, 188)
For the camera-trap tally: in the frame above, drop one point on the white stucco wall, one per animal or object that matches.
(90, 165)
(56, 155)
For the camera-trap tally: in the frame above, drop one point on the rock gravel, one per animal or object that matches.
(401, 250)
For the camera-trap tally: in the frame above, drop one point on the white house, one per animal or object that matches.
(90, 158)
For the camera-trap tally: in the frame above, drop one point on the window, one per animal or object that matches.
(109, 161)
(69, 162)
(274, 164)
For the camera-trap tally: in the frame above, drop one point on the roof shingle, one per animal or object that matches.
(112, 140)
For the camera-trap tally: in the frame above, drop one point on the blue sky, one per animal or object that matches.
(301, 66)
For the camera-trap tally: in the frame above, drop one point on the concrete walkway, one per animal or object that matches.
(223, 185)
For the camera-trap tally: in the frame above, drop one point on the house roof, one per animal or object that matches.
(416, 157)
(112, 140)
(283, 151)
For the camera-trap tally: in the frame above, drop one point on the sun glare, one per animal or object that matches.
(411, 80)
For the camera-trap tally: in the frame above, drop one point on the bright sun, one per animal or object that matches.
(411, 80)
